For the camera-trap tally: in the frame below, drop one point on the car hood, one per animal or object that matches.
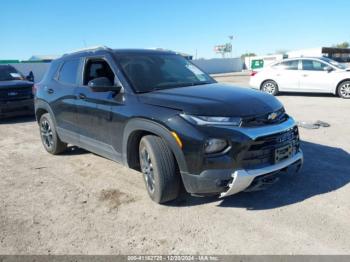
(15, 84)
(214, 100)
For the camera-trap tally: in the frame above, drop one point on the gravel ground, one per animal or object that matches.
(80, 203)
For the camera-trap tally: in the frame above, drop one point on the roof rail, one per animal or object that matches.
(91, 49)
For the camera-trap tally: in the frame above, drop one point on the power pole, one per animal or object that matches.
(231, 38)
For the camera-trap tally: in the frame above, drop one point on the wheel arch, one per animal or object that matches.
(135, 129)
(338, 85)
(264, 81)
(42, 107)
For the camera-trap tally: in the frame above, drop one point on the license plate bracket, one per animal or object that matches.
(283, 153)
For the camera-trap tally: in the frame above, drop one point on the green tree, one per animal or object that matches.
(247, 55)
(342, 45)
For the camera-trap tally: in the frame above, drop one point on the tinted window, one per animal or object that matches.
(9, 73)
(148, 72)
(68, 72)
(287, 65)
(313, 65)
(96, 68)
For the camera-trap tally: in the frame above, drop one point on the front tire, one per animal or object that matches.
(159, 169)
(49, 137)
(344, 90)
(270, 87)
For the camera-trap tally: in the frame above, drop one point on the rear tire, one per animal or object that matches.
(269, 87)
(49, 137)
(159, 169)
(344, 90)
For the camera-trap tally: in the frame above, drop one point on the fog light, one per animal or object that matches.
(215, 145)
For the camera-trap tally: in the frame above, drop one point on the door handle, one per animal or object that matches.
(82, 96)
(50, 91)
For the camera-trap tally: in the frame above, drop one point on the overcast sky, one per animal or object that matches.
(260, 26)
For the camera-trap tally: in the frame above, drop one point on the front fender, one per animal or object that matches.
(140, 124)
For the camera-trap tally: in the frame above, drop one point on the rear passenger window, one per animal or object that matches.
(68, 72)
(289, 65)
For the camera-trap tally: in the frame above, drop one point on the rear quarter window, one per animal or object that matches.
(52, 71)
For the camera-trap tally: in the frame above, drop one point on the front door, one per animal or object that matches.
(94, 109)
(314, 77)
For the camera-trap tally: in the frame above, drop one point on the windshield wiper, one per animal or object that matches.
(201, 83)
(180, 84)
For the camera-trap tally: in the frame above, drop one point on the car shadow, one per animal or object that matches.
(307, 94)
(325, 169)
(74, 150)
(17, 119)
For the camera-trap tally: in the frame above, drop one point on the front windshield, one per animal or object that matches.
(149, 72)
(8, 73)
(334, 63)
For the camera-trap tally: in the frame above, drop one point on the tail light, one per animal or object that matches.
(253, 73)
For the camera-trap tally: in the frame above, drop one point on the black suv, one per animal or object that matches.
(156, 112)
(16, 96)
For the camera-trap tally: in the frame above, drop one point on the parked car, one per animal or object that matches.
(16, 97)
(319, 75)
(157, 113)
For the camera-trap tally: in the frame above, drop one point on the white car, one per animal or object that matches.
(318, 75)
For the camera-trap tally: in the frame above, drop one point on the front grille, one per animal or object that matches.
(263, 120)
(18, 93)
(262, 151)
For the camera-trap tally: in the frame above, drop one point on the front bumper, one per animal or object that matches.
(252, 156)
(242, 179)
(17, 107)
(228, 182)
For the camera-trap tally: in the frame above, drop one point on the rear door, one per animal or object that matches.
(287, 75)
(61, 94)
(314, 77)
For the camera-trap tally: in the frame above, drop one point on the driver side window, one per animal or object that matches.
(313, 65)
(95, 68)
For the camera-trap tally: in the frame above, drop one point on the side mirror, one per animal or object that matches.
(30, 76)
(328, 69)
(103, 84)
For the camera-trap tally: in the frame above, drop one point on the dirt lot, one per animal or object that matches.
(80, 203)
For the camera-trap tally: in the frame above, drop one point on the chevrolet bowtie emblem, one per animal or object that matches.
(272, 116)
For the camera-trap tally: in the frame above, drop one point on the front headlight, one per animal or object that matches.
(212, 120)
